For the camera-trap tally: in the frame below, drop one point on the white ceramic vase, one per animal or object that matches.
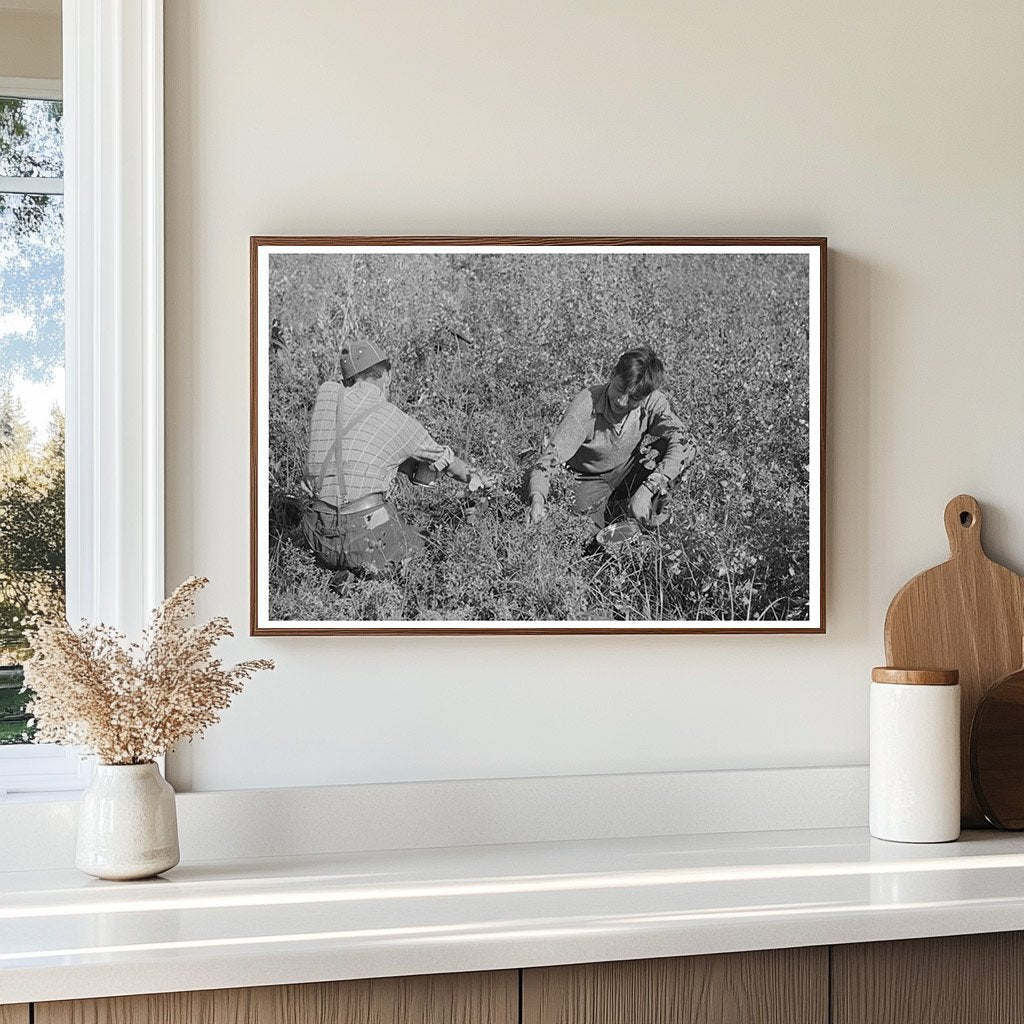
(127, 825)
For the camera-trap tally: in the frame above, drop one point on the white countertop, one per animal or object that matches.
(225, 924)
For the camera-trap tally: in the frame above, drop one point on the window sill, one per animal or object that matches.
(42, 797)
(42, 771)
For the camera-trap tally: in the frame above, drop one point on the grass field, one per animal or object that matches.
(487, 351)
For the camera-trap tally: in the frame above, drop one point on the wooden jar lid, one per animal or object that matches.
(916, 676)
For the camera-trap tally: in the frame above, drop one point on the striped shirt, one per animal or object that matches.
(377, 437)
(590, 441)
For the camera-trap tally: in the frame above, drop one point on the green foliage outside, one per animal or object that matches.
(31, 546)
(13, 727)
(487, 352)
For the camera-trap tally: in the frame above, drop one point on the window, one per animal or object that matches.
(113, 330)
(31, 381)
(32, 533)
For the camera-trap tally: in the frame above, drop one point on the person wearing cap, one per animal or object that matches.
(622, 444)
(359, 442)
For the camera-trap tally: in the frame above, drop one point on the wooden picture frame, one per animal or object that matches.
(489, 340)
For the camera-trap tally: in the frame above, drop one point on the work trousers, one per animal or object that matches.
(367, 543)
(605, 496)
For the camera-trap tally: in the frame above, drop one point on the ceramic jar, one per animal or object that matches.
(915, 755)
(127, 824)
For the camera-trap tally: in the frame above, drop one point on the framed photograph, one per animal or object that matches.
(537, 435)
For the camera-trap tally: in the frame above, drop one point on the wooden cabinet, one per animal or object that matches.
(962, 979)
(967, 979)
(777, 986)
(491, 998)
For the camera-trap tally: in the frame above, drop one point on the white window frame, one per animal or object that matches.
(114, 266)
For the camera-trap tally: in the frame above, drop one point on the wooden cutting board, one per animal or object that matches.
(967, 614)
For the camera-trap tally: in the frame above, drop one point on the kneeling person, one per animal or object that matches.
(609, 438)
(359, 442)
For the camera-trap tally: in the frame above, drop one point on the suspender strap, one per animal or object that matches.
(332, 452)
(339, 471)
(328, 459)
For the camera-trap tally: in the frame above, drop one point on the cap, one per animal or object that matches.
(358, 355)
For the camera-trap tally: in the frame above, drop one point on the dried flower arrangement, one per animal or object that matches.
(129, 704)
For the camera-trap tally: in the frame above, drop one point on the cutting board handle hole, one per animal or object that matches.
(962, 518)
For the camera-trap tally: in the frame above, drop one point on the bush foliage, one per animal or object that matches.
(487, 352)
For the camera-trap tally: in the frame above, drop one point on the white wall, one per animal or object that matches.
(894, 129)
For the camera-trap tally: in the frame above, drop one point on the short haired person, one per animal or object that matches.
(609, 438)
(359, 442)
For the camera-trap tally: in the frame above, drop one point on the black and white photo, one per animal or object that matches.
(537, 435)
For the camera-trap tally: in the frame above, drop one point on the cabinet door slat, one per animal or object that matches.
(478, 998)
(777, 986)
(959, 979)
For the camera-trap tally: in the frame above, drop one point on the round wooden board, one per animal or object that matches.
(997, 752)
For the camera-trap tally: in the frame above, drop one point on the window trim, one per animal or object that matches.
(114, 347)
(114, 269)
